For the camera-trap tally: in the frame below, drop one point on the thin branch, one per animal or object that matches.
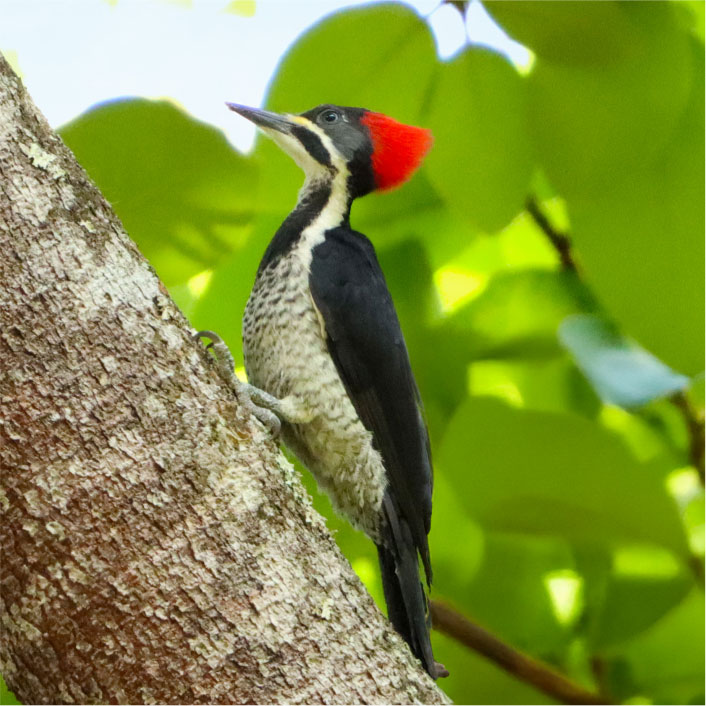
(559, 240)
(520, 665)
(599, 669)
(695, 427)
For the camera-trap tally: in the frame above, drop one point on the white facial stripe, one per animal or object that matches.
(313, 169)
(337, 205)
(336, 158)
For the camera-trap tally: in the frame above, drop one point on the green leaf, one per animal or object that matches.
(595, 126)
(530, 304)
(184, 195)
(693, 13)
(643, 250)
(413, 212)
(409, 275)
(456, 563)
(391, 75)
(514, 571)
(621, 372)
(642, 247)
(545, 384)
(644, 260)
(637, 586)
(481, 162)
(697, 392)
(555, 474)
(667, 662)
(583, 31)
(221, 306)
(6, 696)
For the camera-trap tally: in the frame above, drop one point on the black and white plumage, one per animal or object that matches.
(322, 339)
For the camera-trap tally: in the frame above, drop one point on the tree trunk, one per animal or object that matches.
(156, 545)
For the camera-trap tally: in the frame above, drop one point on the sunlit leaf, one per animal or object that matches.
(10, 55)
(643, 249)
(545, 384)
(242, 8)
(222, 304)
(456, 564)
(519, 313)
(692, 14)
(641, 243)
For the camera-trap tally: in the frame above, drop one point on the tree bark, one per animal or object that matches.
(157, 547)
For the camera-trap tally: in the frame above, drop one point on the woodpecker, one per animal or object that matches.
(324, 350)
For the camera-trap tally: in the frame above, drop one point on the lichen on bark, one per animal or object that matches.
(156, 546)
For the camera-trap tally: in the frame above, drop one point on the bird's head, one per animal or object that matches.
(370, 150)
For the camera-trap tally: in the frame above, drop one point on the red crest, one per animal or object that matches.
(398, 149)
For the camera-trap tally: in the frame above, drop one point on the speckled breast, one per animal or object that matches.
(286, 355)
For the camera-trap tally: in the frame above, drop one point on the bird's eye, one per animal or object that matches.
(330, 116)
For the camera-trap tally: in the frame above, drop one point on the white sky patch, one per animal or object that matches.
(447, 25)
(482, 30)
(76, 53)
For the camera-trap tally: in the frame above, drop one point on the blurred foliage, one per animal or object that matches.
(6, 696)
(568, 514)
(621, 372)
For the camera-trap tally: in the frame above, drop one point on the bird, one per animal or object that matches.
(325, 357)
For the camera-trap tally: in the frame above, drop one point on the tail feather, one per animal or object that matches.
(407, 605)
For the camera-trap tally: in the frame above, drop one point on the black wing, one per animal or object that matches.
(365, 340)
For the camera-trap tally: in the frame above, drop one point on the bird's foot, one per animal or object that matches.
(255, 401)
(440, 671)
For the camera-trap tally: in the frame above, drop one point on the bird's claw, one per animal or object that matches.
(243, 391)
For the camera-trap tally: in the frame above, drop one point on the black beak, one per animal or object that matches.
(263, 118)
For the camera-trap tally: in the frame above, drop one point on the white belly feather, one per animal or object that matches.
(286, 355)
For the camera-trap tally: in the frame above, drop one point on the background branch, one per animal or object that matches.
(520, 665)
(559, 240)
(695, 429)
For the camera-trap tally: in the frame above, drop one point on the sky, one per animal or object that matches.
(73, 54)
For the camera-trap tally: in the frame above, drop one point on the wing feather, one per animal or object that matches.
(364, 337)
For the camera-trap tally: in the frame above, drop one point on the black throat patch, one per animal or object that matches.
(307, 209)
(313, 145)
